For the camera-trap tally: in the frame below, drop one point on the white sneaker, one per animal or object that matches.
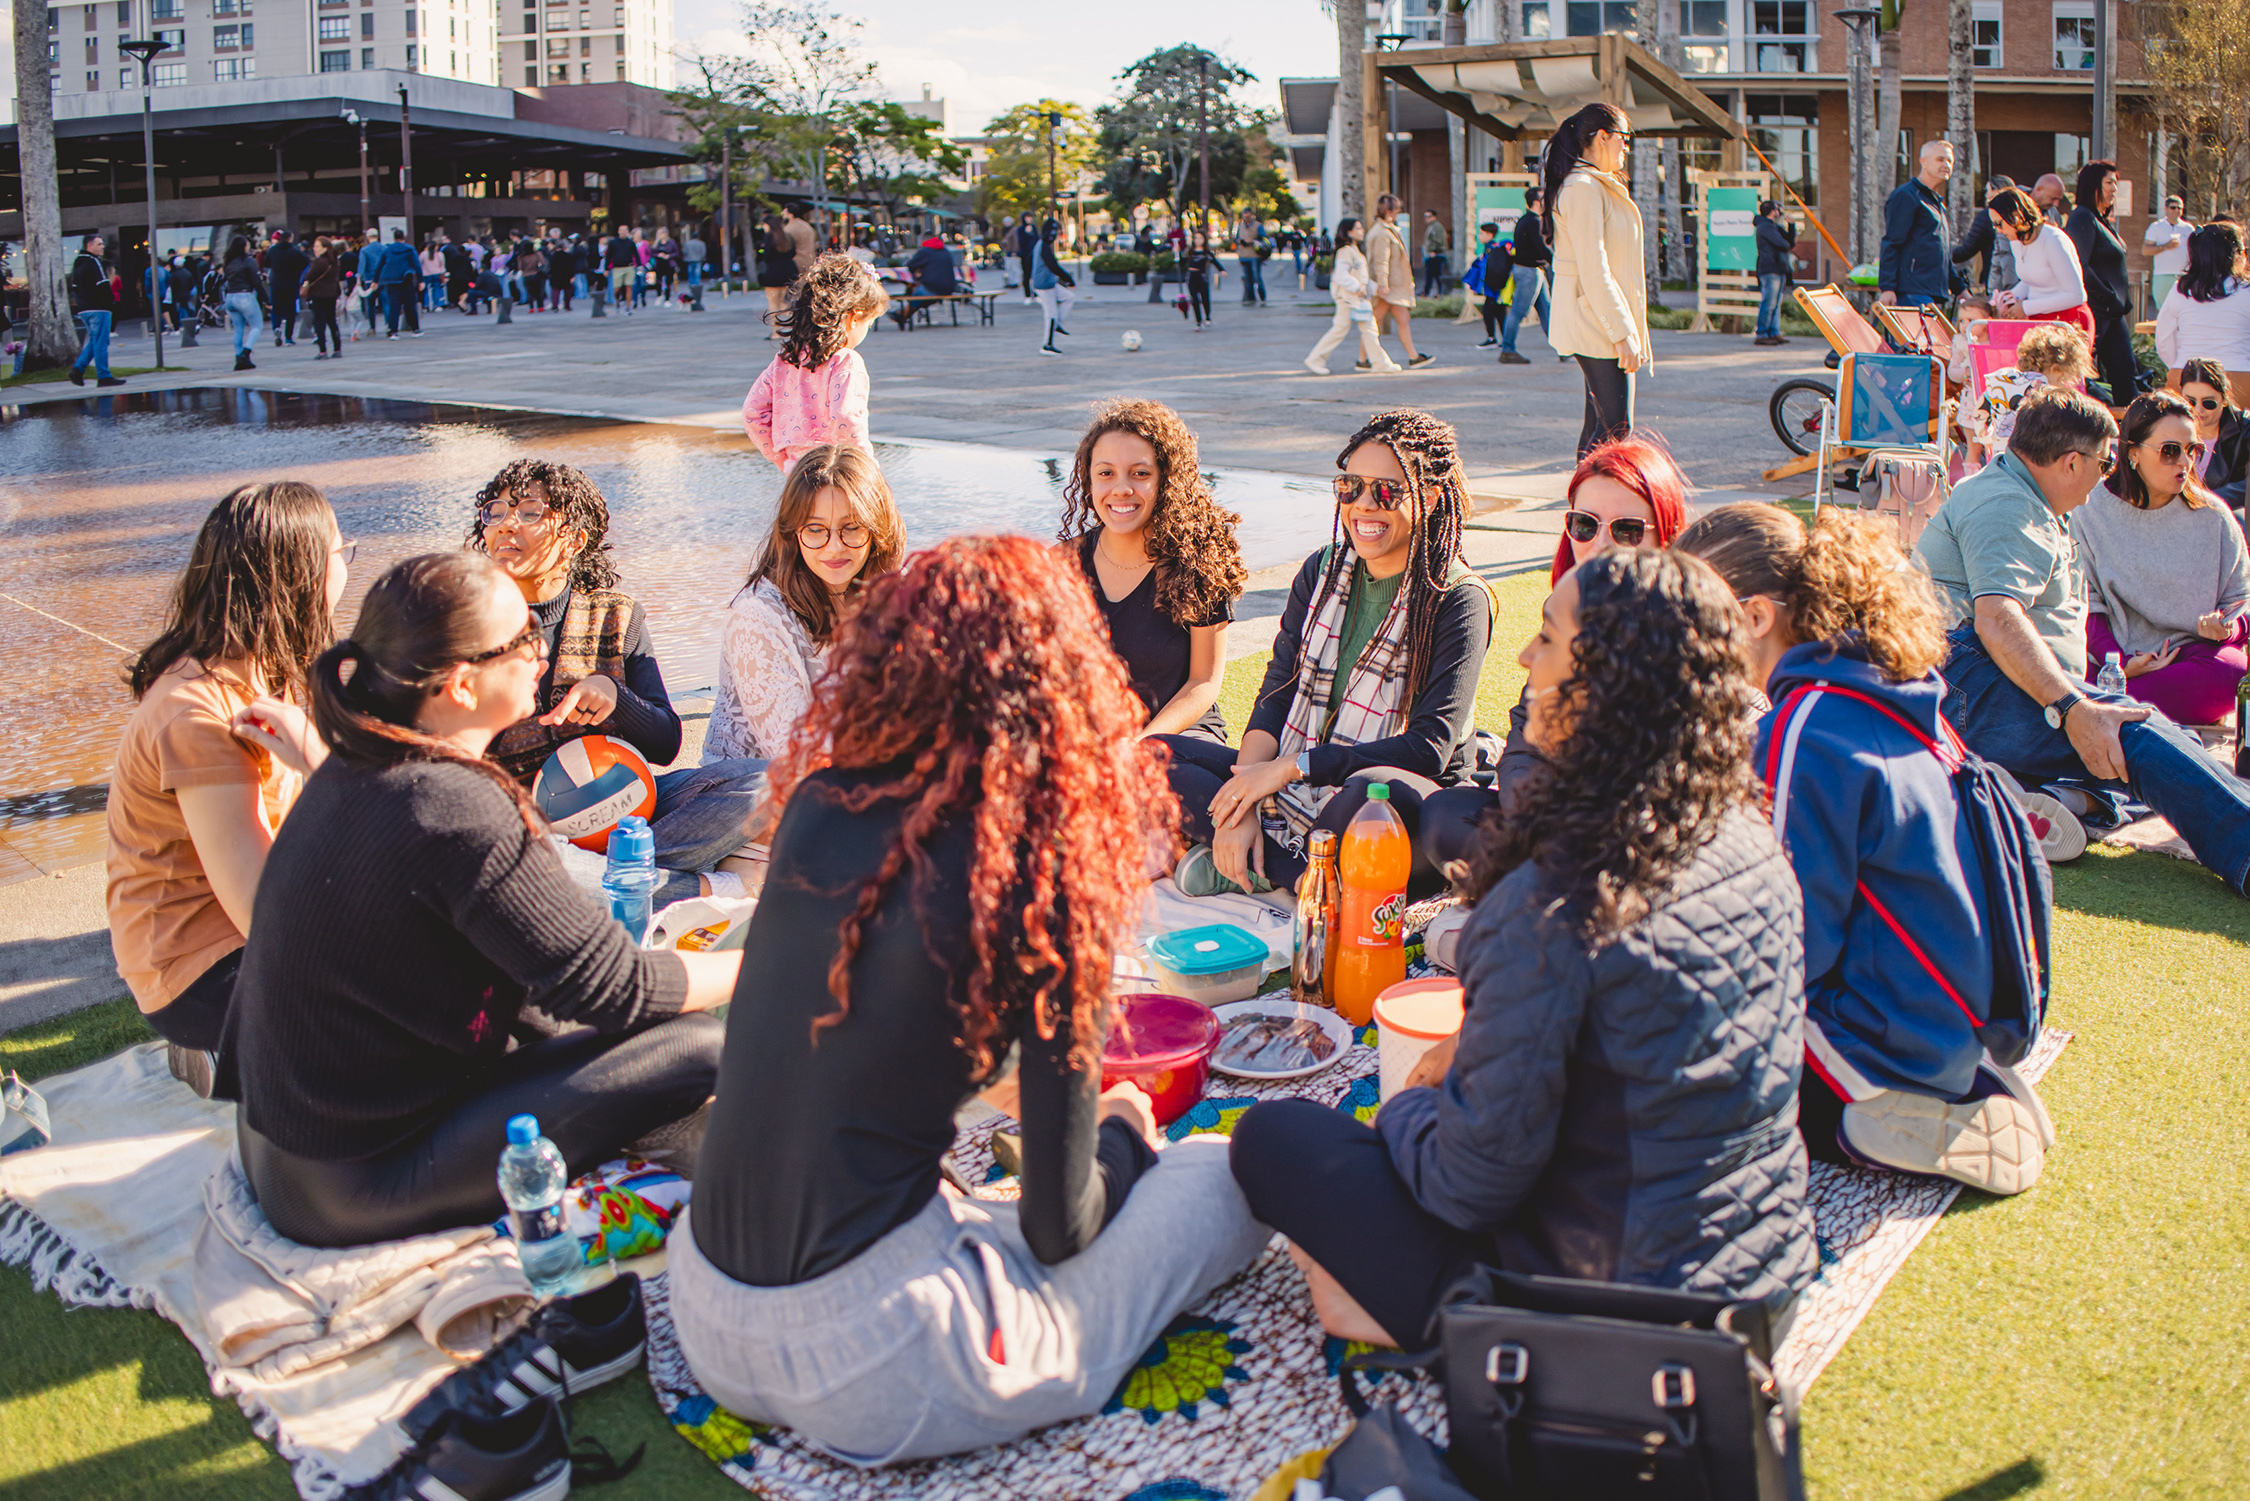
(1441, 937)
(1993, 1143)
(2062, 836)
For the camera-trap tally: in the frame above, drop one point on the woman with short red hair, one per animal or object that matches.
(962, 828)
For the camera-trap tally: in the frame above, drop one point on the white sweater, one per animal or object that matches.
(2050, 277)
(2190, 330)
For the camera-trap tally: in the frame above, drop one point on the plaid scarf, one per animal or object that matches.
(1374, 703)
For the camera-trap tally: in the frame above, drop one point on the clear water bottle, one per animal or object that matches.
(532, 1179)
(630, 880)
(2112, 676)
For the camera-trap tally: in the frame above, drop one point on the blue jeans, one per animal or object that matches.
(700, 813)
(395, 295)
(95, 350)
(1253, 278)
(695, 273)
(2169, 769)
(1531, 287)
(246, 320)
(1769, 305)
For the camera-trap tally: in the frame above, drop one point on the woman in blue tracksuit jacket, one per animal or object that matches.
(1898, 959)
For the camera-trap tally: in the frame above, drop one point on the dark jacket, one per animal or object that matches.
(242, 275)
(398, 263)
(2101, 261)
(1917, 262)
(1862, 806)
(1629, 1114)
(932, 266)
(324, 278)
(1980, 240)
(1531, 248)
(2231, 462)
(90, 291)
(1777, 249)
(285, 268)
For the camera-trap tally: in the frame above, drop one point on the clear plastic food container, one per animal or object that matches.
(1213, 965)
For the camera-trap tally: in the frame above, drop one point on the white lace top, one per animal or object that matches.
(767, 663)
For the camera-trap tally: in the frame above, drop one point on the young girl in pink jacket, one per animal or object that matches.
(815, 391)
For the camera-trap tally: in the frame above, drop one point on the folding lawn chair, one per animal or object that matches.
(1839, 322)
(1893, 409)
(1922, 330)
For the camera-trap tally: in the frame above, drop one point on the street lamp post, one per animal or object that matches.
(144, 52)
(1054, 134)
(726, 206)
(1203, 138)
(406, 165)
(353, 117)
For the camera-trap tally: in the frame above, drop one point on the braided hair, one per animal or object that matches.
(1429, 451)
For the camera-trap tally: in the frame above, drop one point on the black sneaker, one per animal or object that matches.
(522, 1457)
(570, 1345)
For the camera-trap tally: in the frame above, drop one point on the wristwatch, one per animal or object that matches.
(1304, 766)
(2059, 710)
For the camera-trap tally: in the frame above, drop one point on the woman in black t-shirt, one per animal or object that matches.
(1161, 558)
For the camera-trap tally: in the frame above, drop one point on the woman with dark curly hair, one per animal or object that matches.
(815, 390)
(1620, 1103)
(960, 832)
(547, 526)
(1161, 557)
(1374, 671)
(1846, 640)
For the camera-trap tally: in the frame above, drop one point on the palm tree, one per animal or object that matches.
(1961, 112)
(1887, 103)
(51, 341)
(1351, 170)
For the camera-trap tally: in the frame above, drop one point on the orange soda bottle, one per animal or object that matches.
(1370, 942)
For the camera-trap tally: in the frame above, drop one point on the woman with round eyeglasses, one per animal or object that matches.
(1600, 304)
(547, 525)
(2167, 572)
(2204, 386)
(1373, 677)
(835, 531)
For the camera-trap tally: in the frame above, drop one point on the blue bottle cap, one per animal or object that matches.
(523, 1130)
(632, 841)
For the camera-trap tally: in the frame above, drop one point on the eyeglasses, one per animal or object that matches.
(1358, 489)
(527, 636)
(2173, 453)
(346, 549)
(1624, 137)
(527, 516)
(1585, 526)
(2105, 461)
(815, 534)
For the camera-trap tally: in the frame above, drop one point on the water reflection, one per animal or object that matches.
(100, 498)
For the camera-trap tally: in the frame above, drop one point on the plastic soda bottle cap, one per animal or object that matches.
(1379, 792)
(523, 1130)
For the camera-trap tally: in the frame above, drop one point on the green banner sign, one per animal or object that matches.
(1730, 235)
(1498, 206)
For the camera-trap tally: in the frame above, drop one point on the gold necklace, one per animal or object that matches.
(1102, 552)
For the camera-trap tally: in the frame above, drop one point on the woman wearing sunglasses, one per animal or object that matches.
(2167, 573)
(2222, 427)
(1373, 677)
(547, 526)
(1600, 300)
(368, 1043)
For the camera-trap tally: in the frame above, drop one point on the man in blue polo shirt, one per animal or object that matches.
(2000, 550)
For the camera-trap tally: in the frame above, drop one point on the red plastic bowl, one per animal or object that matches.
(1164, 1044)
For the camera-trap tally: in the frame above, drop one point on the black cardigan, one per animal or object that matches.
(1435, 741)
(2101, 260)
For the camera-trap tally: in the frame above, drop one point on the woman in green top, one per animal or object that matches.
(1374, 672)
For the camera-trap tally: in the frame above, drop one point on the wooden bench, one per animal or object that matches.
(924, 303)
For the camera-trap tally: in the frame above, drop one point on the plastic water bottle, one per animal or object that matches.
(2112, 676)
(532, 1178)
(630, 880)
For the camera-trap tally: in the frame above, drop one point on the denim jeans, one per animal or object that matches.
(1769, 305)
(2168, 767)
(1433, 275)
(395, 297)
(1531, 287)
(700, 813)
(95, 350)
(1253, 278)
(246, 320)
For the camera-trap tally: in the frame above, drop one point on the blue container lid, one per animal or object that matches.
(1209, 951)
(523, 1130)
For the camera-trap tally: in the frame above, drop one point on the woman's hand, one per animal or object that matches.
(1430, 1069)
(1628, 357)
(1127, 1102)
(1236, 852)
(2213, 625)
(284, 731)
(591, 700)
(1253, 782)
(2150, 661)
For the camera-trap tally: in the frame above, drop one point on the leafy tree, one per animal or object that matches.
(1149, 134)
(1016, 179)
(2198, 67)
(893, 155)
(1265, 192)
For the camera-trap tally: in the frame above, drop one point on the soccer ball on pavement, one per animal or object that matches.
(1132, 340)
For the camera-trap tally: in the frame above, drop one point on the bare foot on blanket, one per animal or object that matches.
(1339, 1312)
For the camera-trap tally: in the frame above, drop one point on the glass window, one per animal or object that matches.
(1787, 129)
(170, 75)
(127, 78)
(94, 81)
(335, 28)
(413, 18)
(367, 27)
(367, 59)
(1706, 17)
(174, 41)
(413, 56)
(233, 69)
(1984, 34)
(2071, 153)
(2074, 36)
(335, 62)
(620, 41)
(93, 22)
(170, 10)
(557, 46)
(226, 38)
(125, 12)
(1593, 17)
(620, 70)
(585, 46)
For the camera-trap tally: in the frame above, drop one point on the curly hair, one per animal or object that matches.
(574, 503)
(816, 322)
(1659, 709)
(1847, 577)
(1188, 536)
(854, 474)
(1642, 465)
(983, 672)
(2057, 351)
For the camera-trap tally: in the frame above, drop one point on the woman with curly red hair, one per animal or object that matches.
(960, 829)
(1161, 557)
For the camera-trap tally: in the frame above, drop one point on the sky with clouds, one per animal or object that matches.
(986, 58)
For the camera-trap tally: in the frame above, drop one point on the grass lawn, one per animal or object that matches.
(44, 377)
(2081, 1340)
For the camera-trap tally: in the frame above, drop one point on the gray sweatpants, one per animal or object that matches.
(889, 1357)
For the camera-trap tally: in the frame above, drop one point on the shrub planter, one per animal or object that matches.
(1113, 278)
(1320, 280)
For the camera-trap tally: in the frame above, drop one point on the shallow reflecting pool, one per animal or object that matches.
(100, 498)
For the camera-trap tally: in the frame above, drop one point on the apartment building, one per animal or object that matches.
(546, 43)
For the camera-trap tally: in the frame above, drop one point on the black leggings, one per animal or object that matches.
(197, 1015)
(1609, 402)
(1495, 313)
(1200, 769)
(1451, 817)
(2113, 353)
(1318, 1176)
(593, 1093)
(324, 322)
(1199, 297)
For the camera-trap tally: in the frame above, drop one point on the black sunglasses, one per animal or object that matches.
(1585, 526)
(517, 642)
(2207, 403)
(1383, 494)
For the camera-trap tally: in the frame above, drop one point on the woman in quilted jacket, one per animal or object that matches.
(1620, 1103)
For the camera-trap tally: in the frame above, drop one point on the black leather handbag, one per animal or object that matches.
(1565, 1390)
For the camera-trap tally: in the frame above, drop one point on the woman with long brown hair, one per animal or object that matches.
(1161, 557)
(962, 827)
(369, 1040)
(193, 809)
(835, 531)
(1618, 1104)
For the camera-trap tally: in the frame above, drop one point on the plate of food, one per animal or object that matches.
(1276, 1038)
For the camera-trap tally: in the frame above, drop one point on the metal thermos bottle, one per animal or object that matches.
(1319, 892)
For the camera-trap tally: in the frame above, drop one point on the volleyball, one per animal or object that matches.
(590, 783)
(1132, 340)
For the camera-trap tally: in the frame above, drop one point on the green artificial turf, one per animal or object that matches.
(2081, 1340)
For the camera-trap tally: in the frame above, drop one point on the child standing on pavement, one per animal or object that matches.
(815, 391)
